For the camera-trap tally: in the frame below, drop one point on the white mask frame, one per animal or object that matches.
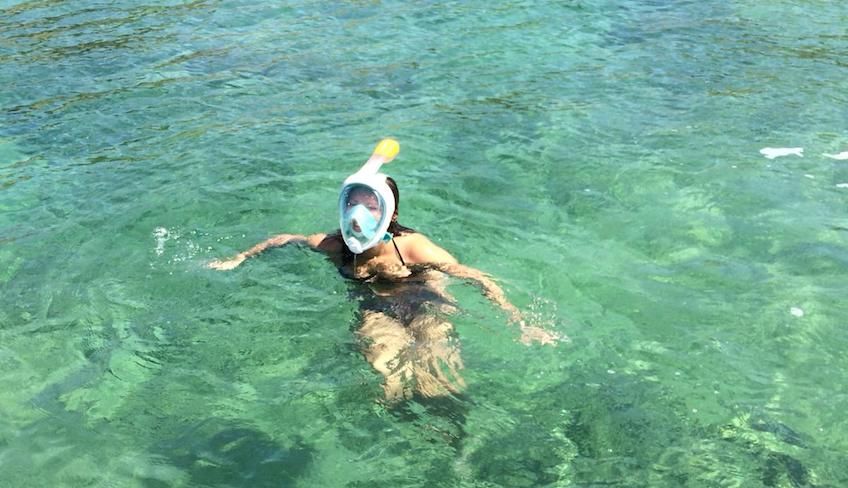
(370, 177)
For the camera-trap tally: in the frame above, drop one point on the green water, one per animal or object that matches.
(600, 158)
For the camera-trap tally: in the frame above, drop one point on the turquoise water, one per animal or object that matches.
(600, 159)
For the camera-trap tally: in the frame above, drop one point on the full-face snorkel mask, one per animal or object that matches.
(366, 203)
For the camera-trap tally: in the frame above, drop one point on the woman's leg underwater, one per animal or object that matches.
(384, 344)
(435, 356)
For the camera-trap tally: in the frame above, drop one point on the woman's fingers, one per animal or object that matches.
(224, 265)
(530, 334)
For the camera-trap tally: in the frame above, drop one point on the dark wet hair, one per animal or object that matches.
(395, 228)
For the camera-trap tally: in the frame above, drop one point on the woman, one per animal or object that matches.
(403, 298)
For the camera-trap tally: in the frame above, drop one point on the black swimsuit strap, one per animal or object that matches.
(398, 252)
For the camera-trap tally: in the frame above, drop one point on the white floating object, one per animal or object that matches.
(809, 176)
(842, 185)
(841, 156)
(797, 312)
(776, 152)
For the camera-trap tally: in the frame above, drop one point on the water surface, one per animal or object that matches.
(601, 159)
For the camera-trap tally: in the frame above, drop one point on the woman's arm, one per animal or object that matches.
(491, 290)
(487, 285)
(313, 241)
(424, 252)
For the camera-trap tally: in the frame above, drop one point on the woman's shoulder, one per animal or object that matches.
(412, 239)
(330, 243)
(417, 248)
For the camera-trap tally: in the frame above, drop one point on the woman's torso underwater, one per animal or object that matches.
(391, 286)
(404, 299)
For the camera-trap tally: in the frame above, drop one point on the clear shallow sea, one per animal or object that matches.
(600, 158)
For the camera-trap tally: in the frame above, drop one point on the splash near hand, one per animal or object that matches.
(531, 334)
(534, 334)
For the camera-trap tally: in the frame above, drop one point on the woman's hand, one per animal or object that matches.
(227, 264)
(532, 333)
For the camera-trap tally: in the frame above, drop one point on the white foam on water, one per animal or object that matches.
(777, 152)
(170, 241)
(162, 235)
(841, 156)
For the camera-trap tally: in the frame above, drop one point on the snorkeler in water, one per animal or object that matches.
(403, 301)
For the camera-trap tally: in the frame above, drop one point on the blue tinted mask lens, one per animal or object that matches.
(360, 217)
(363, 220)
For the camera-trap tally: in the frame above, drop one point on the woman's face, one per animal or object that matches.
(366, 198)
(363, 218)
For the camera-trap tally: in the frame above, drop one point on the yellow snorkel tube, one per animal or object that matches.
(383, 153)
